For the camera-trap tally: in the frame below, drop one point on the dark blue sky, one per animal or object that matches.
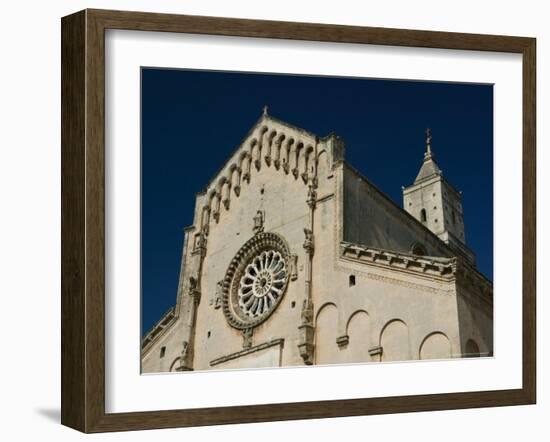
(193, 120)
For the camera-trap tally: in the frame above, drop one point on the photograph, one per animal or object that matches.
(290, 217)
(304, 220)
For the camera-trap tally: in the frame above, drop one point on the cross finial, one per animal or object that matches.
(428, 143)
(265, 109)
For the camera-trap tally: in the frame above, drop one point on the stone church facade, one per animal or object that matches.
(295, 258)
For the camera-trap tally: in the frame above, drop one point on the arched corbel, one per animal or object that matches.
(307, 159)
(224, 187)
(215, 205)
(286, 155)
(296, 159)
(259, 147)
(245, 166)
(236, 179)
(267, 156)
(278, 145)
(205, 219)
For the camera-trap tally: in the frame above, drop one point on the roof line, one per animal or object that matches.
(243, 139)
(400, 209)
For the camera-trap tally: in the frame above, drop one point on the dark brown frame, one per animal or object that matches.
(83, 216)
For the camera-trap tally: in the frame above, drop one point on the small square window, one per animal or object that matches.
(351, 280)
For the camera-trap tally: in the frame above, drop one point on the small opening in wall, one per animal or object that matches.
(423, 215)
(351, 280)
(293, 304)
(454, 218)
(436, 220)
(435, 207)
(262, 190)
(208, 334)
(433, 194)
(162, 351)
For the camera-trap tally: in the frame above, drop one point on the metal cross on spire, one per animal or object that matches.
(428, 153)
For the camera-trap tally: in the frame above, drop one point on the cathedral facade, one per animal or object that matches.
(295, 258)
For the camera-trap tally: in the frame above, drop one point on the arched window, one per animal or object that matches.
(423, 215)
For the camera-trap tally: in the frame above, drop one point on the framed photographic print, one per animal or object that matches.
(270, 220)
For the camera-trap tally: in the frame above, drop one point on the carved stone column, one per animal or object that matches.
(306, 344)
(307, 328)
(187, 353)
(190, 286)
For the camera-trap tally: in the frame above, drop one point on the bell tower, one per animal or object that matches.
(433, 201)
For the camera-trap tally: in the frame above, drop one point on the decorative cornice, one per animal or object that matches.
(425, 265)
(157, 330)
(398, 213)
(279, 144)
(247, 351)
(457, 270)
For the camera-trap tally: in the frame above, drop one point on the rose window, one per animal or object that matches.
(262, 283)
(256, 280)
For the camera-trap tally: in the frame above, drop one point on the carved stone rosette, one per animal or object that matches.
(255, 282)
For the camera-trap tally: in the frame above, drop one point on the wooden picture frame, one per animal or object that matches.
(83, 220)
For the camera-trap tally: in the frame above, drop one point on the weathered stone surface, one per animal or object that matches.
(355, 287)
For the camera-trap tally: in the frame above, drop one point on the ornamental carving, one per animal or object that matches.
(256, 280)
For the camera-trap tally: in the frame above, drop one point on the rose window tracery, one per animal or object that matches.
(262, 283)
(256, 280)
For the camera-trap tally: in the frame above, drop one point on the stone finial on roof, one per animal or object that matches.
(428, 153)
(429, 166)
(265, 109)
